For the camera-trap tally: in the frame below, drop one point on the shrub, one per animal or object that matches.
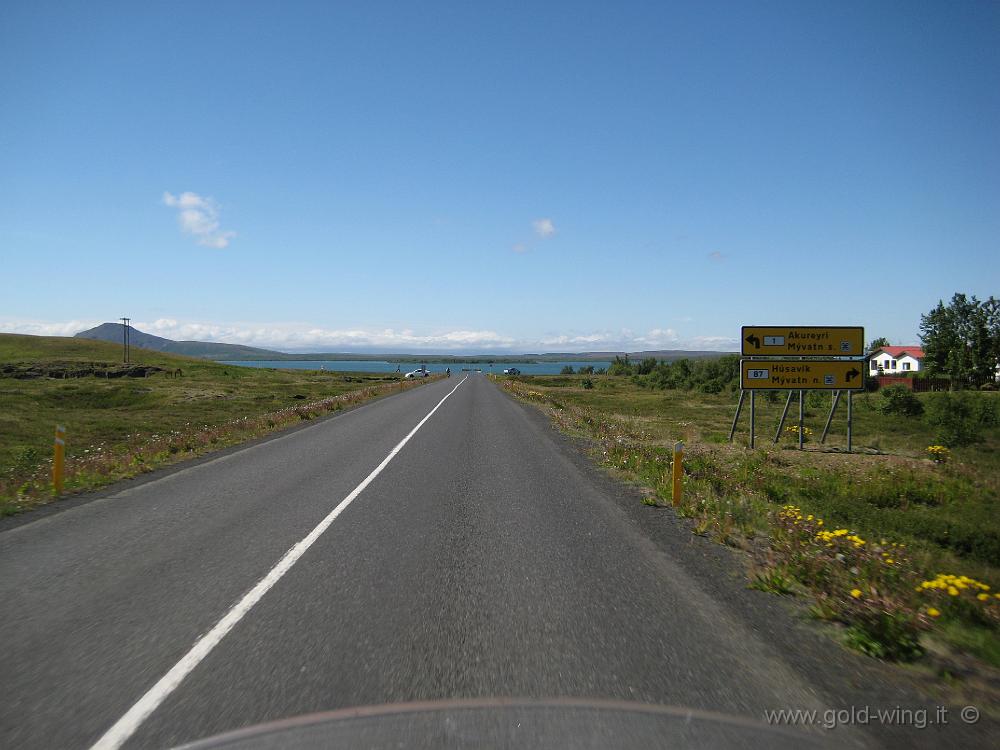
(712, 375)
(712, 386)
(25, 461)
(792, 431)
(818, 398)
(938, 454)
(864, 584)
(646, 366)
(566, 370)
(986, 411)
(620, 367)
(587, 383)
(900, 400)
(961, 597)
(885, 635)
(958, 417)
(773, 580)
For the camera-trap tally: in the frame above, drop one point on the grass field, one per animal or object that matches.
(122, 426)
(926, 518)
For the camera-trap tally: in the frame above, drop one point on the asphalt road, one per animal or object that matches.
(485, 559)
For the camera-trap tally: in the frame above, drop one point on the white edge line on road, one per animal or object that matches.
(126, 726)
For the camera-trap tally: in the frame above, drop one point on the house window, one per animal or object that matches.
(906, 365)
(892, 364)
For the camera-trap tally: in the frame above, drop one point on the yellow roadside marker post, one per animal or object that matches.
(58, 459)
(678, 472)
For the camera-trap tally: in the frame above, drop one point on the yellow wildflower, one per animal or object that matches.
(856, 593)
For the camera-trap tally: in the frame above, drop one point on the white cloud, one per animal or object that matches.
(716, 256)
(658, 338)
(199, 217)
(625, 340)
(287, 336)
(304, 338)
(713, 343)
(576, 341)
(544, 227)
(46, 328)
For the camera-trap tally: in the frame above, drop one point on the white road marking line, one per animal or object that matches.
(126, 726)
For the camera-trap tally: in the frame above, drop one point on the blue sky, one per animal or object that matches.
(489, 177)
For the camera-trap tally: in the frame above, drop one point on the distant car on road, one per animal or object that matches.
(511, 371)
(421, 373)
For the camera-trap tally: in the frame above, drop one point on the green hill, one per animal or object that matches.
(110, 410)
(112, 332)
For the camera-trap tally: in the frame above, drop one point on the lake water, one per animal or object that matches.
(347, 365)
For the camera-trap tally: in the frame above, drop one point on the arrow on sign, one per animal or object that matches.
(851, 374)
(751, 339)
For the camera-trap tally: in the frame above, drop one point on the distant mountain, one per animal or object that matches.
(236, 352)
(204, 349)
(665, 354)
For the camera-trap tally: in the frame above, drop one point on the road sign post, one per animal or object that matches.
(829, 419)
(781, 422)
(802, 415)
(850, 419)
(739, 408)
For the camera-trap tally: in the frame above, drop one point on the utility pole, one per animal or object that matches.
(125, 337)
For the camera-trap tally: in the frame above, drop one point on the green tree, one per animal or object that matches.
(681, 372)
(620, 366)
(646, 366)
(877, 344)
(939, 337)
(962, 340)
(991, 307)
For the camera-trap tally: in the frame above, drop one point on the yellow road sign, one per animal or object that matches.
(803, 341)
(802, 374)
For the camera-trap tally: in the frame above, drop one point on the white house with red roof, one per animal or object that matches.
(895, 360)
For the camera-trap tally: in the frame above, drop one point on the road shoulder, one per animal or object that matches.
(842, 678)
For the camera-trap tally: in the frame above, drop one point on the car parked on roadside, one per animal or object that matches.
(419, 373)
(511, 371)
